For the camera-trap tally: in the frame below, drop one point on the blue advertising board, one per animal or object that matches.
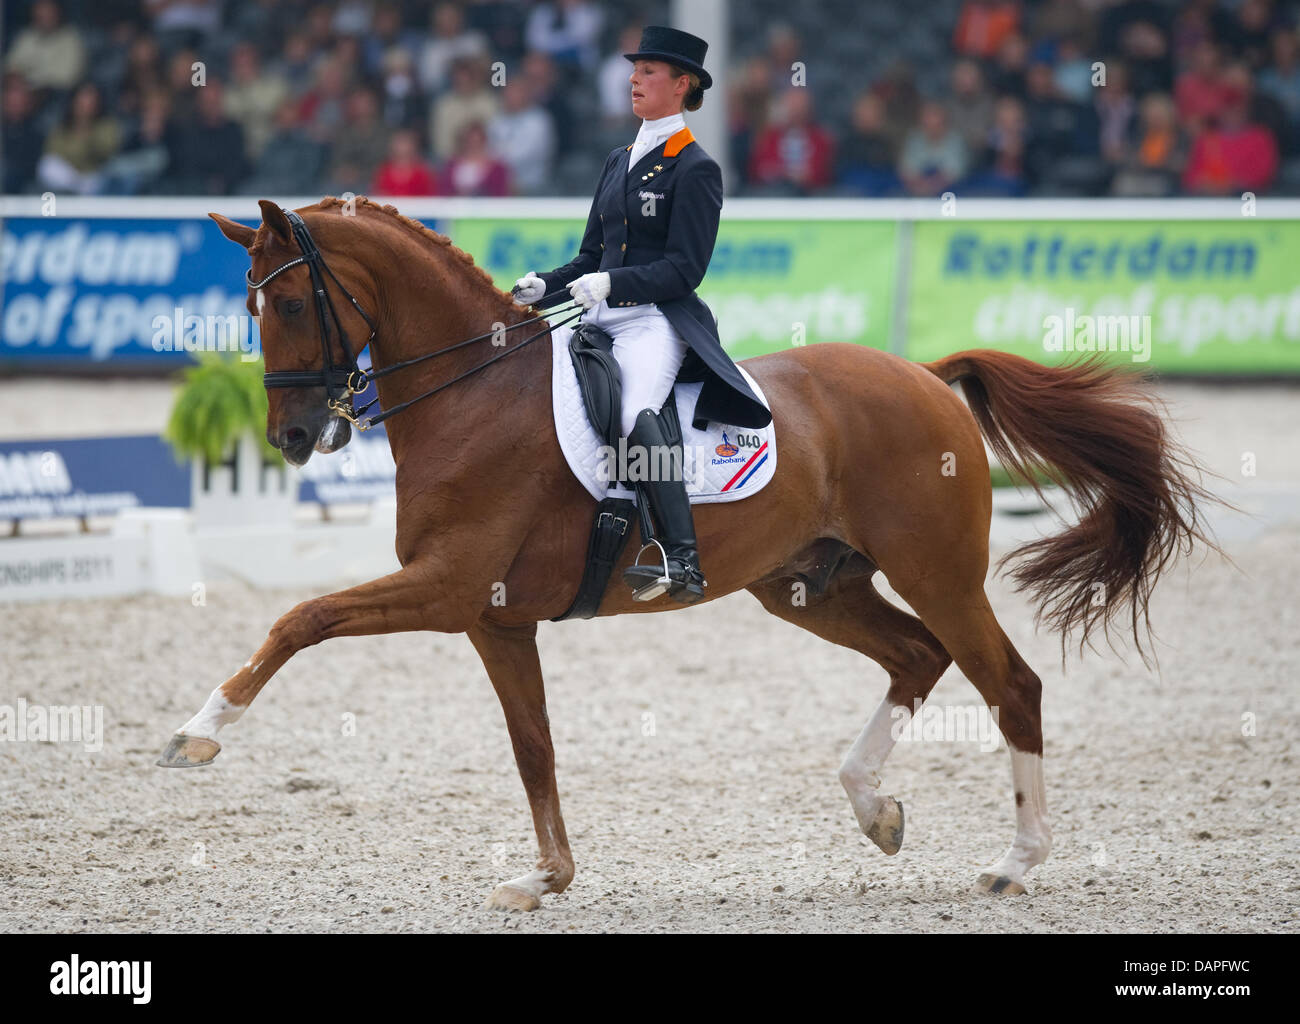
(85, 293)
(95, 476)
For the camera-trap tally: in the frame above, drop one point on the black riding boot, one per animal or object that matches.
(672, 510)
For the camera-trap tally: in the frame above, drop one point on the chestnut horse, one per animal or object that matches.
(882, 468)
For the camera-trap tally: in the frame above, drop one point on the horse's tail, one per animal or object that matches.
(1097, 432)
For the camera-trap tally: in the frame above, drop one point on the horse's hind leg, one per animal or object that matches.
(970, 631)
(847, 610)
(509, 654)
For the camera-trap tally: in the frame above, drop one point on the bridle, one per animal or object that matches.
(344, 380)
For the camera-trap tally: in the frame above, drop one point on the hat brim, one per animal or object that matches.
(706, 80)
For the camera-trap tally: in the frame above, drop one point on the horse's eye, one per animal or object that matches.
(294, 306)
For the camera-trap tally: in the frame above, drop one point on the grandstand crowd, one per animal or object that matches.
(512, 97)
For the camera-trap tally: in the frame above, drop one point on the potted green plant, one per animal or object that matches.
(218, 422)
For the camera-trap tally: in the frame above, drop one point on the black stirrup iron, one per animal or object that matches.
(344, 380)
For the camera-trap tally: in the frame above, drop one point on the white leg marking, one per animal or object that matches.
(1033, 839)
(535, 883)
(217, 712)
(859, 771)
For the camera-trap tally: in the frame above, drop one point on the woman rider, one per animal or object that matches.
(648, 241)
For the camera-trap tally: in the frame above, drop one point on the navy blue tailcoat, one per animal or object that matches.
(653, 229)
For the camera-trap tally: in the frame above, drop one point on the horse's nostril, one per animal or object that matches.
(292, 437)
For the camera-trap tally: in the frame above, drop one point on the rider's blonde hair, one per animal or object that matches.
(694, 95)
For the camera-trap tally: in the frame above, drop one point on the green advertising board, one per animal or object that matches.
(772, 284)
(1181, 296)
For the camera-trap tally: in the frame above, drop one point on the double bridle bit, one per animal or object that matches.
(343, 381)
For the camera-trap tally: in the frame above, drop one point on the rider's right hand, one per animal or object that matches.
(528, 289)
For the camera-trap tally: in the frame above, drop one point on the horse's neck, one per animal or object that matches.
(469, 421)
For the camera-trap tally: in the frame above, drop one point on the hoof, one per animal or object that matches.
(188, 752)
(999, 885)
(886, 829)
(508, 897)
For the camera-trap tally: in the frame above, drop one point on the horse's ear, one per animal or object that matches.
(273, 217)
(240, 234)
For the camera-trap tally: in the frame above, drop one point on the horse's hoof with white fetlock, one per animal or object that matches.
(999, 885)
(188, 752)
(509, 897)
(886, 829)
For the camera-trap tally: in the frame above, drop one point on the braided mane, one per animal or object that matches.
(460, 255)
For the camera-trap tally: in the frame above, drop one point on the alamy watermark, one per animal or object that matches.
(53, 723)
(947, 723)
(179, 331)
(1087, 332)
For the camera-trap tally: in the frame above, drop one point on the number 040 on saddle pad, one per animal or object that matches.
(720, 463)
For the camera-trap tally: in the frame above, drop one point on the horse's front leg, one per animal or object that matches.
(404, 601)
(509, 654)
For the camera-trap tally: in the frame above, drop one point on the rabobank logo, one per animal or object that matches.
(1056, 255)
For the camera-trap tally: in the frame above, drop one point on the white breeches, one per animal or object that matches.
(649, 353)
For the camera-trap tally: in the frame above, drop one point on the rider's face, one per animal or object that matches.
(655, 92)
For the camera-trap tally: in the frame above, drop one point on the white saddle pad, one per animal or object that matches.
(722, 463)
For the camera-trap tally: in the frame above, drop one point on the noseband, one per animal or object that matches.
(344, 380)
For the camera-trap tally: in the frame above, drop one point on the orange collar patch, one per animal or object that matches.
(678, 141)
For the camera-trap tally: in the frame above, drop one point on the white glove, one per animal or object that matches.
(591, 289)
(528, 289)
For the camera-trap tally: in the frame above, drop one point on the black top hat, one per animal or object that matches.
(675, 47)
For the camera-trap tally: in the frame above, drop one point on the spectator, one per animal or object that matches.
(1144, 47)
(474, 171)
(1232, 155)
(1200, 93)
(567, 31)
(1116, 110)
(784, 49)
(1065, 19)
(450, 41)
(23, 138)
(523, 136)
(185, 75)
(749, 102)
(796, 153)
(321, 110)
(1002, 170)
(296, 62)
(970, 107)
(934, 156)
(1008, 72)
(612, 82)
(866, 159)
(470, 99)
(544, 84)
(292, 161)
(141, 76)
(1252, 31)
(404, 173)
(387, 37)
(253, 96)
(77, 150)
(360, 145)
(983, 25)
(207, 149)
(145, 156)
(48, 54)
(1152, 165)
(403, 105)
(1074, 72)
(1281, 79)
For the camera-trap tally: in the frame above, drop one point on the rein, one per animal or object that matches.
(343, 381)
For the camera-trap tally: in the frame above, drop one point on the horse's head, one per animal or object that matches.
(299, 420)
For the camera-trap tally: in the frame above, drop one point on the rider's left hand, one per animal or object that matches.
(591, 289)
